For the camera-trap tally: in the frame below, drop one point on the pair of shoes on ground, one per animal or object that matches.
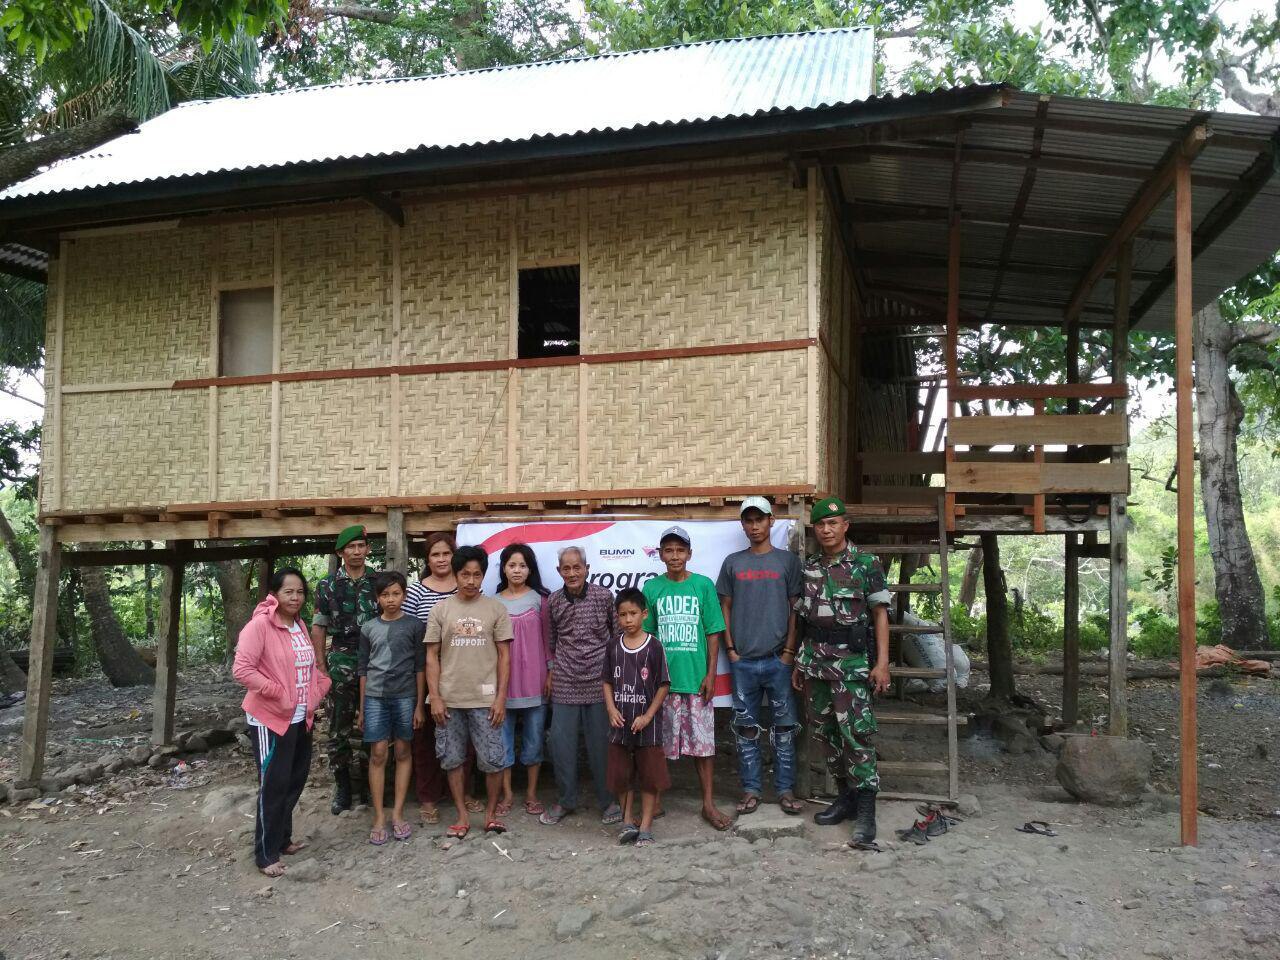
(632, 834)
(934, 822)
(555, 813)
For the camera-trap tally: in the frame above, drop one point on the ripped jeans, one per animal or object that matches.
(754, 680)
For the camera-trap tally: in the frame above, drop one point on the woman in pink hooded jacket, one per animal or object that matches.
(276, 663)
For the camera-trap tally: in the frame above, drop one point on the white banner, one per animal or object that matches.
(620, 554)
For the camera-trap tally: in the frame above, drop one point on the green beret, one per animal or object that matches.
(828, 507)
(356, 532)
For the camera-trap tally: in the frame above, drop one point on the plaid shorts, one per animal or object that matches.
(688, 726)
(470, 724)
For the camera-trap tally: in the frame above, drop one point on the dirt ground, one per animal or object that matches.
(149, 863)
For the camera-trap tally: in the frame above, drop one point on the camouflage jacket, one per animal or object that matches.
(343, 605)
(840, 592)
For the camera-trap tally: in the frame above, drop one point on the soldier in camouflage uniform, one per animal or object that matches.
(344, 602)
(843, 609)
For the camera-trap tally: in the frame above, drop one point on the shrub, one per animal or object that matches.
(1157, 636)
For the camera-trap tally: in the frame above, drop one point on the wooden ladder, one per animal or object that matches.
(923, 542)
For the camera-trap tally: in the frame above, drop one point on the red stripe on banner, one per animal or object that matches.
(724, 685)
(542, 533)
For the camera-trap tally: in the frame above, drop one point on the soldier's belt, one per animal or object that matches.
(853, 638)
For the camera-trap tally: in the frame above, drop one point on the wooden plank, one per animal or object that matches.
(1118, 548)
(584, 331)
(1039, 429)
(811, 312)
(912, 717)
(1021, 525)
(1037, 457)
(164, 697)
(913, 768)
(277, 334)
(917, 673)
(397, 541)
(944, 577)
(1031, 391)
(213, 443)
(44, 635)
(1035, 478)
(471, 366)
(1019, 206)
(1152, 190)
(395, 411)
(54, 376)
(919, 496)
(124, 386)
(1184, 384)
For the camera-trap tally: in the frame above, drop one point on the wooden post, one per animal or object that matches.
(1186, 498)
(397, 542)
(44, 631)
(165, 695)
(1117, 521)
(266, 567)
(1071, 632)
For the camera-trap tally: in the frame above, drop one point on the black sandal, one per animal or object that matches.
(748, 804)
(628, 834)
(1038, 827)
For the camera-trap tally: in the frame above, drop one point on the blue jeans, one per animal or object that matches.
(754, 680)
(388, 718)
(534, 723)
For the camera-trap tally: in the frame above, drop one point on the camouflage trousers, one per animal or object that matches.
(840, 710)
(346, 742)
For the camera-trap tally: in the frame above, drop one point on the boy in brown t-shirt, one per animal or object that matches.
(468, 665)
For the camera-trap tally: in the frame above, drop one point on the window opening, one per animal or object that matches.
(549, 317)
(245, 323)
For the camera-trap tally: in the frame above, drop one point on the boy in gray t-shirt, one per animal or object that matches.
(756, 587)
(392, 669)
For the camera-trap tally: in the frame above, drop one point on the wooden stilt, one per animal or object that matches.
(44, 629)
(397, 541)
(1117, 521)
(166, 691)
(1186, 500)
(1071, 632)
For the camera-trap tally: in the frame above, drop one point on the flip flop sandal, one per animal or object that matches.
(554, 815)
(474, 806)
(378, 836)
(917, 833)
(645, 839)
(457, 831)
(932, 809)
(611, 815)
(273, 870)
(293, 848)
(534, 808)
(791, 806)
(870, 847)
(429, 818)
(401, 830)
(495, 826)
(720, 827)
(502, 809)
(748, 804)
(629, 834)
(1038, 827)
(660, 814)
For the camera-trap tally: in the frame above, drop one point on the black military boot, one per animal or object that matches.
(842, 808)
(341, 791)
(362, 788)
(864, 823)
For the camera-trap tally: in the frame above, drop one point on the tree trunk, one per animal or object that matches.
(969, 581)
(999, 646)
(1235, 570)
(237, 600)
(21, 161)
(121, 663)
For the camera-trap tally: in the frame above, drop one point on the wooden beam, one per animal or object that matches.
(44, 634)
(1033, 391)
(877, 463)
(910, 260)
(1117, 519)
(1019, 206)
(951, 345)
(811, 311)
(386, 205)
(978, 215)
(1037, 478)
(397, 542)
(1184, 384)
(1071, 632)
(165, 695)
(1108, 128)
(1149, 194)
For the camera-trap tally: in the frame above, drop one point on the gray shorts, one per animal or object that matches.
(470, 723)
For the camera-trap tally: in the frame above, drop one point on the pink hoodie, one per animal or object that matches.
(265, 666)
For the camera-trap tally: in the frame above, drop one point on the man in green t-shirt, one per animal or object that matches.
(684, 614)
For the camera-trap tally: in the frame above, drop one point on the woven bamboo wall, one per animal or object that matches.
(137, 308)
(674, 263)
(456, 281)
(723, 262)
(697, 421)
(335, 301)
(837, 322)
(137, 449)
(546, 443)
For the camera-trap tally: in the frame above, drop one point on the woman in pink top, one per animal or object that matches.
(521, 592)
(275, 661)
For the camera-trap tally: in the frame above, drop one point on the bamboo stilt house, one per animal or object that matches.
(653, 282)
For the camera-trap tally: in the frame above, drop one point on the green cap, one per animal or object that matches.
(828, 507)
(353, 532)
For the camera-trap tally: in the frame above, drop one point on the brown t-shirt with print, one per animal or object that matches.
(468, 632)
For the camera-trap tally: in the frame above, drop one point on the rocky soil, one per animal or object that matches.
(152, 862)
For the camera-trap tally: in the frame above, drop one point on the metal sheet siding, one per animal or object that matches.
(665, 86)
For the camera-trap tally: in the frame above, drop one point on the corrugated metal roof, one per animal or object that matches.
(670, 85)
(1069, 213)
(23, 261)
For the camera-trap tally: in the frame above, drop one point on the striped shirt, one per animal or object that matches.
(421, 598)
(635, 677)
